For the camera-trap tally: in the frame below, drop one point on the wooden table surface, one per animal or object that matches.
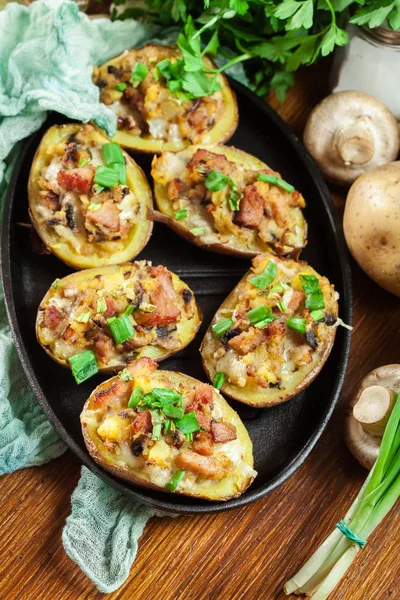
(247, 553)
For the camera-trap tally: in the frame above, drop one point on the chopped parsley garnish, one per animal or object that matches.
(136, 396)
(188, 423)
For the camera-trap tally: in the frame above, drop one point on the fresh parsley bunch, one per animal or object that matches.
(274, 37)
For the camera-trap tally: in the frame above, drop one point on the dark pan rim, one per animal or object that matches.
(346, 297)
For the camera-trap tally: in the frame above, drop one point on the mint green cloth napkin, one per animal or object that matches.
(47, 52)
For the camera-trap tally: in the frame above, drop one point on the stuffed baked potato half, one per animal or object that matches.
(167, 431)
(143, 87)
(88, 200)
(225, 200)
(272, 335)
(117, 313)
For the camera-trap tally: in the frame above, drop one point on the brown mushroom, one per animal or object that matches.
(350, 133)
(369, 413)
(371, 225)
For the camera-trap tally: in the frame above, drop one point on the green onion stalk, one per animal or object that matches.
(381, 490)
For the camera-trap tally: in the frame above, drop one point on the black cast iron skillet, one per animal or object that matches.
(283, 436)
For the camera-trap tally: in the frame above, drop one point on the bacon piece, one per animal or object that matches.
(112, 307)
(203, 466)
(223, 432)
(143, 366)
(251, 208)
(134, 98)
(52, 317)
(107, 216)
(114, 394)
(50, 199)
(143, 422)
(248, 340)
(164, 297)
(201, 405)
(76, 180)
(202, 444)
(104, 347)
(210, 160)
(295, 300)
(276, 329)
(174, 188)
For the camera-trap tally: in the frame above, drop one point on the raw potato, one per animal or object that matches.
(221, 131)
(88, 254)
(117, 284)
(372, 225)
(234, 240)
(283, 361)
(366, 420)
(121, 462)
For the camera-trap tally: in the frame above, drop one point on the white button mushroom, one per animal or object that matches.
(371, 225)
(369, 413)
(349, 133)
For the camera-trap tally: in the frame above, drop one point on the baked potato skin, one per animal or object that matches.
(136, 180)
(221, 132)
(252, 394)
(82, 279)
(222, 490)
(165, 213)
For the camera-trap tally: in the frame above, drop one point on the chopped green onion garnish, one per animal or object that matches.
(167, 426)
(120, 87)
(189, 437)
(188, 423)
(175, 481)
(136, 396)
(112, 154)
(56, 283)
(97, 189)
(260, 313)
(279, 288)
(156, 434)
(197, 230)
(83, 162)
(125, 376)
(234, 200)
(219, 380)
(129, 310)
(84, 317)
(282, 306)
(276, 181)
(314, 296)
(216, 181)
(155, 74)
(106, 177)
(265, 278)
(83, 365)
(221, 326)
(297, 324)
(101, 305)
(121, 328)
(94, 206)
(317, 315)
(173, 412)
(120, 170)
(139, 72)
(180, 214)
